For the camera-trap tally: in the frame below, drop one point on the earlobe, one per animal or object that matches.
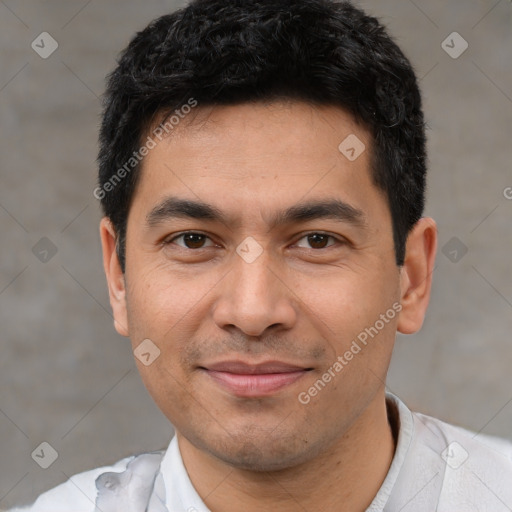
(416, 275)
(114, 275)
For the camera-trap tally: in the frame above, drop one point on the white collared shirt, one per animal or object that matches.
(436, 467)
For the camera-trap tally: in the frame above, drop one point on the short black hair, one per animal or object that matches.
(215, 52)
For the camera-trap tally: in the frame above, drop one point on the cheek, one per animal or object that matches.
(161, 301)
(345, 302)
(169, 388)
(357, 316)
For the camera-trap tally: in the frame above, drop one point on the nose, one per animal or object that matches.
(254, 297)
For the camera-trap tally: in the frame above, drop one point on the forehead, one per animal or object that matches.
(291, 121)
(260, 157)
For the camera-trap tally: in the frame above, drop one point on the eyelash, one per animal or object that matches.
(171, 240)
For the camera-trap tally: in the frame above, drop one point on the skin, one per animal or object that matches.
(302, 301)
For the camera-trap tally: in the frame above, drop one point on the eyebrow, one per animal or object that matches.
(335, 209)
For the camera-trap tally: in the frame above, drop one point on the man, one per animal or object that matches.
(262, 175)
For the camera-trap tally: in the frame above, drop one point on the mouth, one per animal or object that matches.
(254, 380)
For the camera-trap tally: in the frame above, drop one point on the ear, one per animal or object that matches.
(416, 275)
(115, 276)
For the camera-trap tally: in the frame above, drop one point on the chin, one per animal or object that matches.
(262, 454)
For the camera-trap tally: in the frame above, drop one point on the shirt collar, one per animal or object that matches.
(180, 493)
(405, 427)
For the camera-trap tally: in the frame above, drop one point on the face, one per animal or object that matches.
(257, 255)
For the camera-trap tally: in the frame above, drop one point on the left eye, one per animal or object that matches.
(317, 240)
(190, 240)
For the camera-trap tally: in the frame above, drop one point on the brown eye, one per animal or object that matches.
(317, 240)
(190, 240)
(194, 241)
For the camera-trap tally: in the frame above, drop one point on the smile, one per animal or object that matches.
(244, 380)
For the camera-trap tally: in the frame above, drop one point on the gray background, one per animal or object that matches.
(68, 379)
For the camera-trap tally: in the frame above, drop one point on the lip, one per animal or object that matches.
(254, 380)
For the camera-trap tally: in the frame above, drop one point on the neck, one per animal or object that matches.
(345, 478)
